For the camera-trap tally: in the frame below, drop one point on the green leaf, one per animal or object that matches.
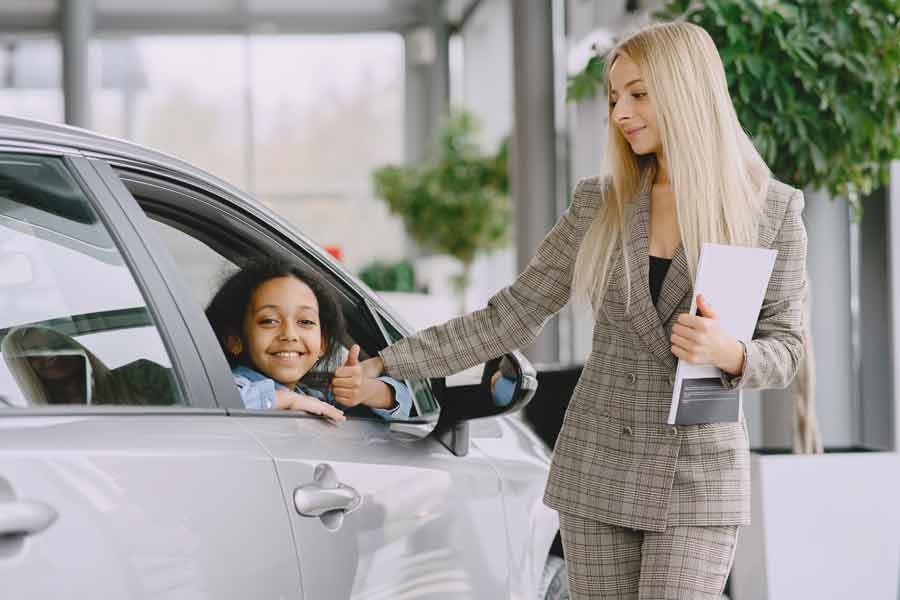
(815, 82)
(788, 12)
(819, 162)
(755, 64)
(744, 89)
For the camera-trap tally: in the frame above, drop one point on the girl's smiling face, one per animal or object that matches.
(281, 330)
(631, 108)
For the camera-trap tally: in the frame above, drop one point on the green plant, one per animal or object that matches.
(457, 204)
(815, 83)
(389, 277)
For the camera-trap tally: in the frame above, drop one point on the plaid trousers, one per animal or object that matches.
(610, 562)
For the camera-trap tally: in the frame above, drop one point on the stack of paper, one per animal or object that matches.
(733, 282)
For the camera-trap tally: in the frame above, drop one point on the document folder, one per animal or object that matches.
(733, 282)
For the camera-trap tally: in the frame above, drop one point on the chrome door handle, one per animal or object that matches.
(313, 501)
(24, 517)
(326, 498)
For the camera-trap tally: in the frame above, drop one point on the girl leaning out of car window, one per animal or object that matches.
(277, 323)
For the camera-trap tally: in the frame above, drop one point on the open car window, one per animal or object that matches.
(75, 329)
(208, 240)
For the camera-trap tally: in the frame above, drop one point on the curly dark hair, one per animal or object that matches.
(228, 307)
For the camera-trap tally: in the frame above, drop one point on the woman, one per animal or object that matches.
(646, 509)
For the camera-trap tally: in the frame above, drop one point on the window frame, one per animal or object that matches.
(155, 191)
(167, 321)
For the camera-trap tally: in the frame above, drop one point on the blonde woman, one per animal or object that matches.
(648, 510)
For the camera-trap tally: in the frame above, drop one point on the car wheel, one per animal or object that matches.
(555, 580)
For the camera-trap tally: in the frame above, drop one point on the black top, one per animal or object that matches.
(658, 268)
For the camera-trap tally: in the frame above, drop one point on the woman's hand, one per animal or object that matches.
(373, 367)
(288, 400)
(494, 378)
(701, 340)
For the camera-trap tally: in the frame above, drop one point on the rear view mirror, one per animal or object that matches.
(462, 403)
(15, 269)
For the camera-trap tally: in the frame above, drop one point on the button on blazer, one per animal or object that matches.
(616, 460)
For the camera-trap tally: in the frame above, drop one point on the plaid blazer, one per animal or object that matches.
(616, 461)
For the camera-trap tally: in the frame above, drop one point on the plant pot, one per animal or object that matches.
(823, 526)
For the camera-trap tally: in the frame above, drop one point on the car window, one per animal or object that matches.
(422, 394)
(204, 268)
(206, 247)
(74, 327)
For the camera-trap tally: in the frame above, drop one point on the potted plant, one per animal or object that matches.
(384, 276)
(457, 203)
(816, 84)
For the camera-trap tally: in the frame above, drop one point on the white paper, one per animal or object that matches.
(733, 282)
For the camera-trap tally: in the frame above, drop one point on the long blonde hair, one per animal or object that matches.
(718, 178)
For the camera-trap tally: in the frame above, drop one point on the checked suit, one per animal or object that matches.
(616, 462)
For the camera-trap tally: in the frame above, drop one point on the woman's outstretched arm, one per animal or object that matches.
(513, 317)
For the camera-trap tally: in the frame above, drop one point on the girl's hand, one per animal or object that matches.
(701, 340)
(347, 384)
(288, 400)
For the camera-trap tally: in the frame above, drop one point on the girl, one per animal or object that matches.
(275, 324)
(648, 510)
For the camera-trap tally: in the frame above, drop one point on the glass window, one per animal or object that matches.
(164, 92)
(207, 254)
(204, 269)
(31, 78)
(298, 121)
(74, 327)
(328, 111)
(423, 398)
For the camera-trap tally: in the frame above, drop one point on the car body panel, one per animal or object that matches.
(521, 461)
(431, 525)
(148, 507)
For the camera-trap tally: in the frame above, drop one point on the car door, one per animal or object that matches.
(120, 477)
(378, 510)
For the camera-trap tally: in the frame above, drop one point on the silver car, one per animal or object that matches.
(128, 465)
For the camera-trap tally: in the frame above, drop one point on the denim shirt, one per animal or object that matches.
(258, 392)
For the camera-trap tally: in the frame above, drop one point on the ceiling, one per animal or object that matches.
(235, 16)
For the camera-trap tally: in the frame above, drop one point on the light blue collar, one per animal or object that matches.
(252, 375)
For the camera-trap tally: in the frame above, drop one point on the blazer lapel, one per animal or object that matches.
(676, 284)
(644, 318)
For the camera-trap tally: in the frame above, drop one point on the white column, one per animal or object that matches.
(533, 168)
(77, 26)
(893, 272)
(828, 258)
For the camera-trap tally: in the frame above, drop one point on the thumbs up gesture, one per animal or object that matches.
(348, 380)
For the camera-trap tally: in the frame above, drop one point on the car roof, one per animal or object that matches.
(27, 132)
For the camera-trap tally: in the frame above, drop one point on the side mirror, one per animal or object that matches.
(462, 403)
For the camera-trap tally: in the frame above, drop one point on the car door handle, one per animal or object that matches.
(24, 517)
(313, 501)
(326, 498)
